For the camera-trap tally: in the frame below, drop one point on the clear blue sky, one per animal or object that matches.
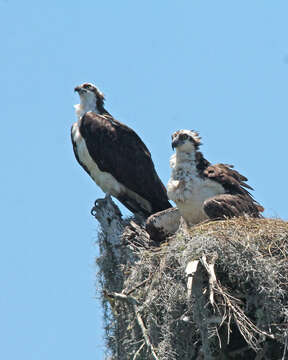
(220, 67)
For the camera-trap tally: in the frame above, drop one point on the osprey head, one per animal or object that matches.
(186, 140)
(90, 95)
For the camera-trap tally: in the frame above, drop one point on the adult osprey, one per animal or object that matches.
(204, 191)
(115, 156)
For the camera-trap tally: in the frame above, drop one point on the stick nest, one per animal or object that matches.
(232, 306)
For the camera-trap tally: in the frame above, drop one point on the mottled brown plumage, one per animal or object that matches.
(237, 199)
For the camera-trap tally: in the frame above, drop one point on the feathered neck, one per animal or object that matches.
(195, 161)
(87, 103)
(81, 109)
(183, 156)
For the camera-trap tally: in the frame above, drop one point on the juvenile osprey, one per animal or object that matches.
(201, 190)
(115, 156)
(163, 224)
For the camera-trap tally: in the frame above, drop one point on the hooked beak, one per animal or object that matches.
(80, 90)
(175, 143)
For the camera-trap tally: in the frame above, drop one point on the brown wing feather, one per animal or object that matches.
(238, 200)
(227, 205)
(118, 150)
(231, 179)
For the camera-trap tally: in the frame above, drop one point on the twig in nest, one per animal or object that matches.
(212, 276)
(137, 286)
(133, 302)
(122, 297)
(138, 351)
(244, 324)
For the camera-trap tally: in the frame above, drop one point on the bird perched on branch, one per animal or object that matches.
(114, 156)
(203, 191)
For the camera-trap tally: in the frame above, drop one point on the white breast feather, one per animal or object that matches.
(106, 181)
(172, 161)
(103, 179)
(189, 191)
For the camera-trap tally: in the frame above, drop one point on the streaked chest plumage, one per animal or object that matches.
(189, 191)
